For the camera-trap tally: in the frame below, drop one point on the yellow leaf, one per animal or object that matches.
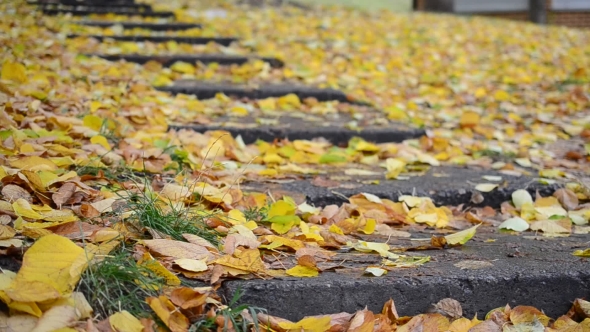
(335, 229)
(369, 227)
(34, 164)
(123, 321)
(290, 101)
(95, 105)
(461, 237)
(486, 187)
(309, 324)
(153, 265)
(394, 167)
(81, 304)
(51, 268)
(177, 249)
(168, 313)
(100, 140)
(162, 80)
(469, 119)
(6, 232)
(23, 209)
(93, 122)
(183, 67)
(277, 241)
(302, 271)
(501, 95)
(194, 265)
(247, 260)
(281, 208)
(13, 71)
(268, 104)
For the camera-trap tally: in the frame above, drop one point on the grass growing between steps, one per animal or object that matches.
(118, 283)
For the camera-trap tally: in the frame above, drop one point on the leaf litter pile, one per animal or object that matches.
(105, 215)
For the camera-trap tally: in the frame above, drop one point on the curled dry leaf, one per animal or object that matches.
(65, 192)
(567, 198)
(448, 307)
(12, 192)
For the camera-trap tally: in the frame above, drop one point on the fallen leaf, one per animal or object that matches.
(56, 318)
(486, 187)
(177, 249)
(123, 321)
(448, 307)
(521, 197)
(461, 237)
(302, 271)
(51, 268)
(193, 265)
(13, 192)
(567, 198)
(515, 224)
(375, 271)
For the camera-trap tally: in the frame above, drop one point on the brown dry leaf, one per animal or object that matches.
(177, 249)
(17, 323)
(460, 325)
(6, 232)
(448, 307)
(188, 298)
(88, 211)
(307, 261)
(236, 240)
(363, 321)
(567, 198)
(426, 322)
(13, 192)
(56, 318)
(168, 313)
(581, 308)
(246, 260)
(390, 311)
(390, 231)
(64, 193)
(486, 326)
(195, 239)
(527, 314)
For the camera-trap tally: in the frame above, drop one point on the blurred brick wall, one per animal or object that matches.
(575, 19)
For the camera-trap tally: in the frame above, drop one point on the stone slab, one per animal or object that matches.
(225, 41)
(111, 10)
(167, 60)
(90, 5)
(206, 90)
(536, 271)
(446, 185)
(299, 129)
(142, 25)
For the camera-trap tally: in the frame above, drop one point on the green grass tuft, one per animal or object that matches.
(118, 283)
(173, 222)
